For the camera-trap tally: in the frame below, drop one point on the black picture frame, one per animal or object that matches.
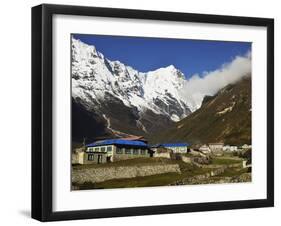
(42, 111)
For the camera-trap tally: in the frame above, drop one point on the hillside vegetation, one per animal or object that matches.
(225, 117)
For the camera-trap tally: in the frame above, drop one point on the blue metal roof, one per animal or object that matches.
(175, 145)
(155, 145)
(117, 141)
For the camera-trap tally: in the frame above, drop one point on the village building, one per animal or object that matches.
(216, 148)
(230, 148)
(246, 147)
(115, 149)
(77, 156)
(195, 147)
(205, 149)
(135, 138)
(161, 152)
(180, 148)
(195, 150)
(109, 150)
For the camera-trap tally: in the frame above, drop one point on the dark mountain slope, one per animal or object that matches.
(225, 117)
(86, 124)
(112, 120)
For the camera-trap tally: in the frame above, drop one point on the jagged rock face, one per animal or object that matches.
(128, 100)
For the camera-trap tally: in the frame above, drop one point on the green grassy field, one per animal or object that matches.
(187, 170)
(224, 161)
(231, 172)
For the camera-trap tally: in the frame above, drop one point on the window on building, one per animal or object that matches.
(143, 151)
(119, 150)
(102, 149)
(97, 149)
(90, 149)
(128, 151)
(135, 151)
(90, 157)
(109, 149)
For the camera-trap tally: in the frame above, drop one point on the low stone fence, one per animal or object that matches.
(212, 166)
(95, 175)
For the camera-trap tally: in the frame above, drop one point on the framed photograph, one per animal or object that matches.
(145, 112)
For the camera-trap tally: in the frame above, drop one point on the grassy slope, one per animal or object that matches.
(225, 161)
(154, 180)
(206, 125)
(187, 170)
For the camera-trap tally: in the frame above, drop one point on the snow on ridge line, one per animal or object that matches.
(168, 67)
(155, 90)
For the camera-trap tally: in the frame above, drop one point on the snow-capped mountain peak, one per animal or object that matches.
(96, 80)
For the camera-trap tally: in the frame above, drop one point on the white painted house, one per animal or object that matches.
(216, 148)
(246, 146)
(229, 148)
(205, 149)
(174, 147)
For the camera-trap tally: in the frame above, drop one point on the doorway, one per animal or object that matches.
(99, 159)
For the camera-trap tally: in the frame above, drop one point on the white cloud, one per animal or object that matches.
(211, 82)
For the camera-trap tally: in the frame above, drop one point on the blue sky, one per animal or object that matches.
(147, 54)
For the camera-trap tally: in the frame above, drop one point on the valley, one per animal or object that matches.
(138, 129)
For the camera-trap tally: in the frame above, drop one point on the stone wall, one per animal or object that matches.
(212, 166)
(119, 157)
(94, 175)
